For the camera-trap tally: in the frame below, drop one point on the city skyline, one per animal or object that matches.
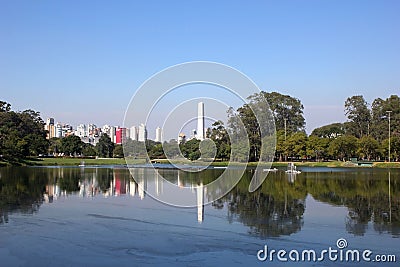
(58, 56)
(90, 132)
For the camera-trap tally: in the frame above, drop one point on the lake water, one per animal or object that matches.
(100, 216)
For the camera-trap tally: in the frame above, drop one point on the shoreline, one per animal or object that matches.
(121, 161)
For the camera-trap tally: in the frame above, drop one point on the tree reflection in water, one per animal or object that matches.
(275, 209)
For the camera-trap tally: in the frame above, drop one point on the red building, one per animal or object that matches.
(120, 135)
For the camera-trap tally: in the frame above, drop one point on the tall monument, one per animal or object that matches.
(200, 121)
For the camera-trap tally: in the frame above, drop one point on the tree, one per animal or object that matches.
(250, 122)
(356, 109)
(55, 145)
(343, 147)
(367, 147)
(295, 145)
(118, 151)
(285, 107)
(221, 139)
(88, 150)
(171, 148)
(208, 149)
(317, 147)
(105, 146)
(394, 148)
(157, 152)
(4, 106)
(71, 145)
(22, 134)
(333, 130)
(379, 125)
(190, 149)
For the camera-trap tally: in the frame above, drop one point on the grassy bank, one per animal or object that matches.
(121, 161)
(76, 161)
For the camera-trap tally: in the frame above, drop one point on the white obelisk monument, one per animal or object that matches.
(200, 121)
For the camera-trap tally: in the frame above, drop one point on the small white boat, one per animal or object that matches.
(270, 170)
(292, 169)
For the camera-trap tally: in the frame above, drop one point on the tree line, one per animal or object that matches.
(363, 136)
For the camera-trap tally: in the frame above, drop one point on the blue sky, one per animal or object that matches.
(81, 61)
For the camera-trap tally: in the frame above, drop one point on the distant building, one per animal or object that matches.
(120, 135)
(90, 140)
(158, 134)
(142, 135)
(49, 121)
(181, 138)
(112, 134)
(49, 127)
(58, 130)
(81, 130)
(133, 133)
(66, 130)
(92, 130)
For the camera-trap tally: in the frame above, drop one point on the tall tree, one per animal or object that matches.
(286, 108)
(283, 109)
(221, 138)
(105, 146)
(380, 120)
(356, 110)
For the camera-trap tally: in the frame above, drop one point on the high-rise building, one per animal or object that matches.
(81, 130)
(200, 121)
(120, 135)
(92, 129)
(142, 136)
(133, 133)
(158, 134)
(112, 134)
(49, 127)
(58, 130)
(50, 121)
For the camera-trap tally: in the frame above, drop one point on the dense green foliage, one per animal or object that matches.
(21, 133)
(363, 136)
(105, 146)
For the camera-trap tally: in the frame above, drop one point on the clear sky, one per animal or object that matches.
(81, 61)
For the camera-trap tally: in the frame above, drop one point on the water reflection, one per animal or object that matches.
(276, 208)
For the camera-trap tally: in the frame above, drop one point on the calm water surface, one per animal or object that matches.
(102, 217)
